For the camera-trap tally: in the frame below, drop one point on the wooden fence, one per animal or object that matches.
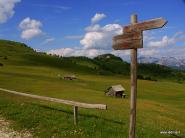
(67, 102)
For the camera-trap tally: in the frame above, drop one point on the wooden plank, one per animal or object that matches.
(146, 25)
(75, 111)
(67, 102)
(128, 45)
(129, 36)
(133, 94)
(128, 41)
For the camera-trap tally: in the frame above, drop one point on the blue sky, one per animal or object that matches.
(86, 27)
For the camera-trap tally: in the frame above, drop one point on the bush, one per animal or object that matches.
(148, 78)
(141, 77)
(1, 64)
(153, 79)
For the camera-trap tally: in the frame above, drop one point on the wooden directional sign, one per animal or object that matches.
(133, 37)
(146, 25)
(128, 41)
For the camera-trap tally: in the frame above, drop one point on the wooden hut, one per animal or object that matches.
(70, 77)
(116, 91)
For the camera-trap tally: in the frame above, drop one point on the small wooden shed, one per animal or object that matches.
(70, 77)
(116, 91)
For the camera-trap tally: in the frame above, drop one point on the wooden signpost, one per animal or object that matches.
(132, 38)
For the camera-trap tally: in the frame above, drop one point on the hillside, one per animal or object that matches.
(14, 53)
(113, 64)
(149, 71)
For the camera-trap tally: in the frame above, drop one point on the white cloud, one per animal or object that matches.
(97, 17)
(28, 23)
(91, 53)
(161, 43)
(30, 28)
(7, 9)
(148, 52)
(93, 28)
(101, 37)
(97, 40)
(121, 53)
(148, 36)
(61, 51)
(67, 52)
(28, 34)
(167, 41)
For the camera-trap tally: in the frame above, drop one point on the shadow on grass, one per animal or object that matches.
(80, 114)
(175, 136)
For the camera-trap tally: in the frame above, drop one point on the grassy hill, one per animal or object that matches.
(107, 64)
(160, 104)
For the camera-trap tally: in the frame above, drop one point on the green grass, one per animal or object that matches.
(160, 104)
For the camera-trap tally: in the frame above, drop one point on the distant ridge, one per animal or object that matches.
(19, 54)
(173, 62)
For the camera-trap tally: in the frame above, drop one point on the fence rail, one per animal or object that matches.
(67, 102)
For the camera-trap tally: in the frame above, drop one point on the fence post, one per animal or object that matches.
(75, 111)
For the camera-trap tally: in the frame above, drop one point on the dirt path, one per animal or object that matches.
(6, 132)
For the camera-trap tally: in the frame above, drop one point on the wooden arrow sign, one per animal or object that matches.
(132, 38)
(128, 41)
(146, 25)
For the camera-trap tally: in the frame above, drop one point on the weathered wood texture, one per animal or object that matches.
(133, 95)
(128, 41)
(75, 111)
(132, 36)
(67, 102)
(146, 25)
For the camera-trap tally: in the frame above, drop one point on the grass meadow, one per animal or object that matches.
(160, 104)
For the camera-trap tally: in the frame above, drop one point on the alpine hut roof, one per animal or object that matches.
(118, 88)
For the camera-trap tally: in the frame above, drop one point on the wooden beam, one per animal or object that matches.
(133, 95)
(146, 25)
(128, 36)
(75, 111)
(67, 102)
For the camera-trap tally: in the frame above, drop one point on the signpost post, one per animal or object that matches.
(133, 94)
(132, 38)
